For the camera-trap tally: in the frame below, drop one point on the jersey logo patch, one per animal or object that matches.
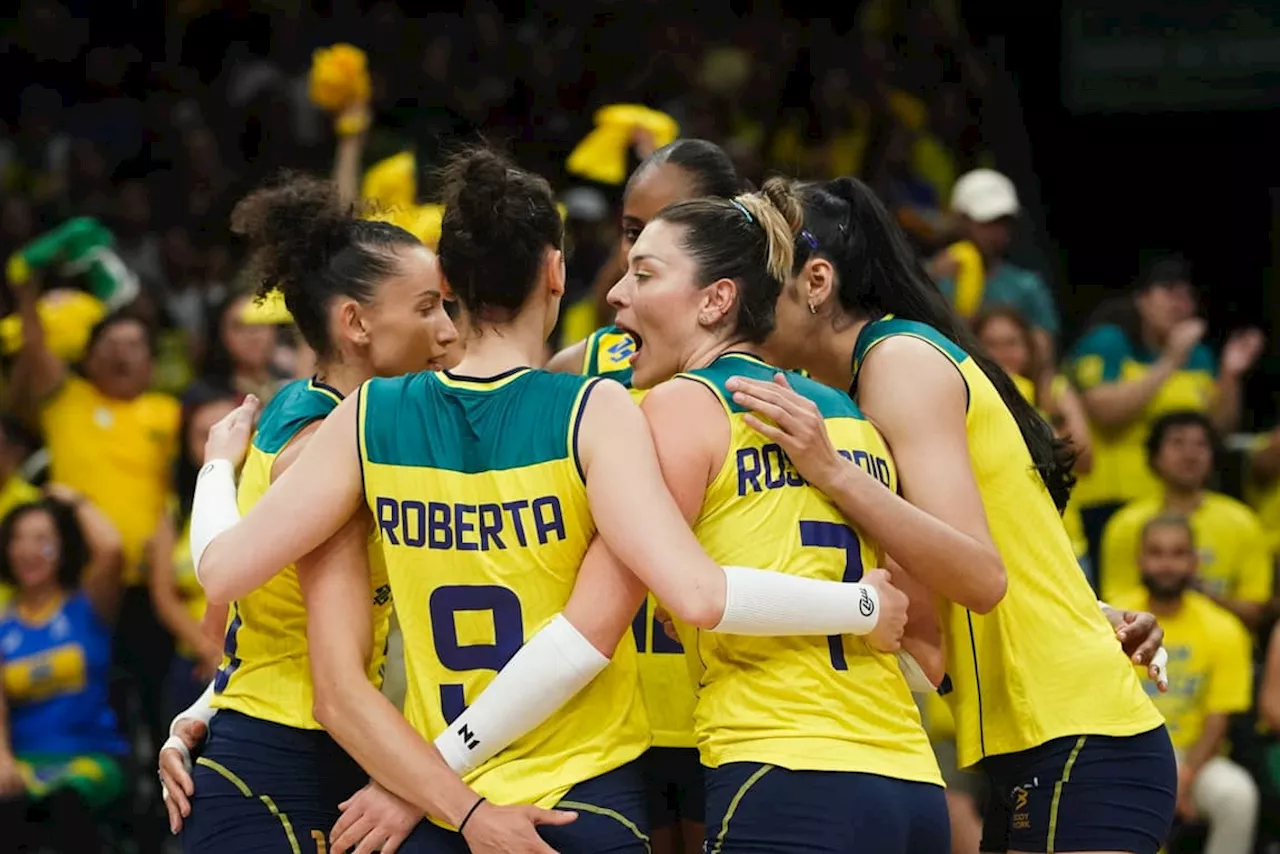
(618, 349)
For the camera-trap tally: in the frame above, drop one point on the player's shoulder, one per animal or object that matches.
(293, 407)
(904, 335)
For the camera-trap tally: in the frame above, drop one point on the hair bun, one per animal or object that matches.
(475, 188)
(781, 193)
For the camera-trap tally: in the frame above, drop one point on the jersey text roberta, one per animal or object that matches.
(471, 527)
(768, 467)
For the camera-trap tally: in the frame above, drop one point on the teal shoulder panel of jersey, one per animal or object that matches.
(609, 352)
(878, 330)
(293, 407)
(832, 403)
(521, 418)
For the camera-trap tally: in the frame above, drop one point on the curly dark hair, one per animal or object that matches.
(314, 248)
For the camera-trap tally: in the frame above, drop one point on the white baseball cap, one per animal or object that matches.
(984, 195)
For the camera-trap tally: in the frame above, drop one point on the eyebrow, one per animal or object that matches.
(635, 259)
(431, 292)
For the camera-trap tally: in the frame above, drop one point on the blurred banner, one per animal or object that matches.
(1135, 56)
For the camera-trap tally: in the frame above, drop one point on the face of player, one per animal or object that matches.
(651, 191)
(1167, 561)
(674, 321)
(406, 323)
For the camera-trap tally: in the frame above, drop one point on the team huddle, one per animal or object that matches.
(788, 452)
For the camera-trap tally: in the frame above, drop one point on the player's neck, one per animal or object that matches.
(342, 377)
(830, 356)
(706, 353)
(494, 348)
(1182, 501)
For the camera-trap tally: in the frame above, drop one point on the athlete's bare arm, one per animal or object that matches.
(570, 360)
(335, 588)
(918, 400)
(638, 520)
(306, 505)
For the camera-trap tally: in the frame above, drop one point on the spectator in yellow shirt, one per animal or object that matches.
(1147, 360)
(1234, 562)
(112, 441)
(1210, 677)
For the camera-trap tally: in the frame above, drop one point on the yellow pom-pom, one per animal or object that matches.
(339, 77)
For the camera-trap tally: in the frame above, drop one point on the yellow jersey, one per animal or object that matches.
(1015, 673)
(266, 671)
(664, 677)
(479, 498)
(807, 703)
(1235, 561)
(189, 589)
(1210, 664)
(1071, 518)
(1106, 355)
(117, 453)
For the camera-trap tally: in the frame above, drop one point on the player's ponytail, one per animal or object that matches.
(314, 249)
(880, 274)
(747, 239)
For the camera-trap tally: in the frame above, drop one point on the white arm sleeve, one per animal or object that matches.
(213, 509)
(1104, 606)
(555, 664)
(770, 604)
(201, 710)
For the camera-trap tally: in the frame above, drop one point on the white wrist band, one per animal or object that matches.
(770, 604)
(201, 710)
(1104, 606)
(213, 508)
(555, 664)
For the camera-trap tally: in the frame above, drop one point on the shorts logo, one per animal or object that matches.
(1020, 796)
(866, 606)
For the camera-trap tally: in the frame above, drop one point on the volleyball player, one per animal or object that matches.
(1072, 769)
(684, 169)
(367, 298)
(482, 525)
(810, 744)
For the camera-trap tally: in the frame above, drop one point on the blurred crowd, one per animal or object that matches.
(127, 332)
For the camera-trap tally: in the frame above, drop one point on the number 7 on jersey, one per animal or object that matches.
(833, 535)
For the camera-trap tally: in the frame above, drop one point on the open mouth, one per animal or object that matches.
(636, 339)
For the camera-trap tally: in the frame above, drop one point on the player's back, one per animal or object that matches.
(266, 671)
(1017, 670)
(479, 497)
(802, 703)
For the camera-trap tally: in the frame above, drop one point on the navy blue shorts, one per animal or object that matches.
(612, 819)
(764, 809)
(264, 788)
(1083, 793)
(677, 792)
